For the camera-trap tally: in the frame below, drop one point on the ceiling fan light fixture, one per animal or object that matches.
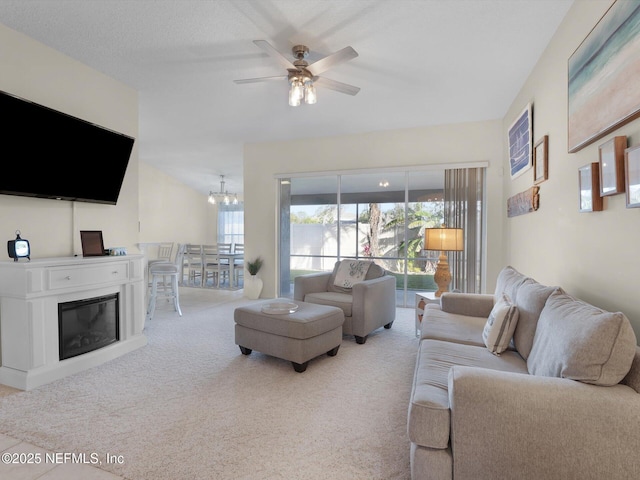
(310, 96)
(299, 90)
(301, 75)
(294, 99)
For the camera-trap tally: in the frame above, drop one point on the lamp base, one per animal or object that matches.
(442, 277)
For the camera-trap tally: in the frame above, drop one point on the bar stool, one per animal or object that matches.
(160, 273)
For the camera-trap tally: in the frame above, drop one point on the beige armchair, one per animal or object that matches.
(367, 306)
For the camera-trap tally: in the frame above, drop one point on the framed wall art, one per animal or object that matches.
(602, 93)
(611, 166)
(519, 141)
(540, 160)
(632, 176)
(589, 184)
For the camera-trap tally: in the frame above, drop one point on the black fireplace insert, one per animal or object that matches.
(87, 325)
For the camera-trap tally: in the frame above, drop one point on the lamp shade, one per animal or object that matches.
(444, 239)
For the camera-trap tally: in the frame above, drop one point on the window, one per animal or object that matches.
(231, 224)
(377, 215)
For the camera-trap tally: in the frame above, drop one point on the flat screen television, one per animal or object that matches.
(49, 154)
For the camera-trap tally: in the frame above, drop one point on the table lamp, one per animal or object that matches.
(443, 240)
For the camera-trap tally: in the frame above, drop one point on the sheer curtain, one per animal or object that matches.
(464, 208)
(231, 223)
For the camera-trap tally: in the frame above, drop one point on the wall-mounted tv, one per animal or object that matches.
(49, 154)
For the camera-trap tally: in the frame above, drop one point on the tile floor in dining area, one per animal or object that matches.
(23, 461)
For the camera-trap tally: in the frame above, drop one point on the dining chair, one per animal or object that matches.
(238, 262)
(193, 263)
(225, 248)
(213, 266)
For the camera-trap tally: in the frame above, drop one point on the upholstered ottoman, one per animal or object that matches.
(308, 332)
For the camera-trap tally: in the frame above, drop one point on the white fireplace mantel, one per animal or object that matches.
(29, 296)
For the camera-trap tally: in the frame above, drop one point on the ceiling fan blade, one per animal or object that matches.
(335, 85)
(272, 52)
(341, 56)
(260, 79)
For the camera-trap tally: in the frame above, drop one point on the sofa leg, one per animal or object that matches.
(333, 352)
(299, 367)
(388, 325)
(245, 350)
(360, 340)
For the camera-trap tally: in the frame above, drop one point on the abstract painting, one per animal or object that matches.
(604, 91)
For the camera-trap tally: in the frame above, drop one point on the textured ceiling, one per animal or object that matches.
(420, 63)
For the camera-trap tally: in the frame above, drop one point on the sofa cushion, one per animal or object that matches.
(374, 271)
(333, 299)
(508, 281)
(633, 377)
(439, 325)
(579, 341)
(499, 327)
(429, 415)
(532, 297)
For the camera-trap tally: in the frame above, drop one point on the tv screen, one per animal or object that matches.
(49, 154)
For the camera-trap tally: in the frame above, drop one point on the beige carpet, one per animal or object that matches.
(190, 406)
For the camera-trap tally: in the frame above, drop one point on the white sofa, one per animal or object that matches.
(562, 402)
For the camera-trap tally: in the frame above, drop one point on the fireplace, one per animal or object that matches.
(87, 325)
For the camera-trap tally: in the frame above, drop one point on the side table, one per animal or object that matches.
(422, 299)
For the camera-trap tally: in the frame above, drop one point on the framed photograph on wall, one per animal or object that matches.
(540, 160)
(611, 166)
(632, 176)
(603, 92)
(519, 141)
(589, 185)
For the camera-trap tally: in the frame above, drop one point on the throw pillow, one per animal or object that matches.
(579, 341)
(500, 326)
(351, 272)
(531, 300)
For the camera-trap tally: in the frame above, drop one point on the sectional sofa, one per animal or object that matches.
(528, 383)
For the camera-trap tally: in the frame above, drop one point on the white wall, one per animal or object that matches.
(172, 212)
(469, 142)
(152, 206)
(35, 72)
(591, 255)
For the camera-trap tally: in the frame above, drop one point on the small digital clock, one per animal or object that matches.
(19, 248)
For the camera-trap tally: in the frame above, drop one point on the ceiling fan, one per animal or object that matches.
(303, 77)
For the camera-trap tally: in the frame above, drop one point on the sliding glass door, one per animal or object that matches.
(378, 215)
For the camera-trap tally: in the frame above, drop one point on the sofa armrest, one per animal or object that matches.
(310, 283)
(541, 427)
(470, 304)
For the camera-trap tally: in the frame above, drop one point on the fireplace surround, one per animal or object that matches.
(30, 297)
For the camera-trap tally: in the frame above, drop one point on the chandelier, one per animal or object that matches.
(222, 196)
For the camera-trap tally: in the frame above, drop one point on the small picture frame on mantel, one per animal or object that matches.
(589, 185)
(540, 160)
(611, 166)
